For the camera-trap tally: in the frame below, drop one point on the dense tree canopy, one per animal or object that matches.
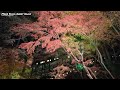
(58, 44)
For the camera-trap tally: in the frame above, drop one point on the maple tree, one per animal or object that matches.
(78, 33)
(51, 24)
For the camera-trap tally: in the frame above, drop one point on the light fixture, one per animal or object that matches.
(42, 62)
(68, 56)
(47, 60)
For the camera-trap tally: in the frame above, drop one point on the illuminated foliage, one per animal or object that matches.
(46, 32)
